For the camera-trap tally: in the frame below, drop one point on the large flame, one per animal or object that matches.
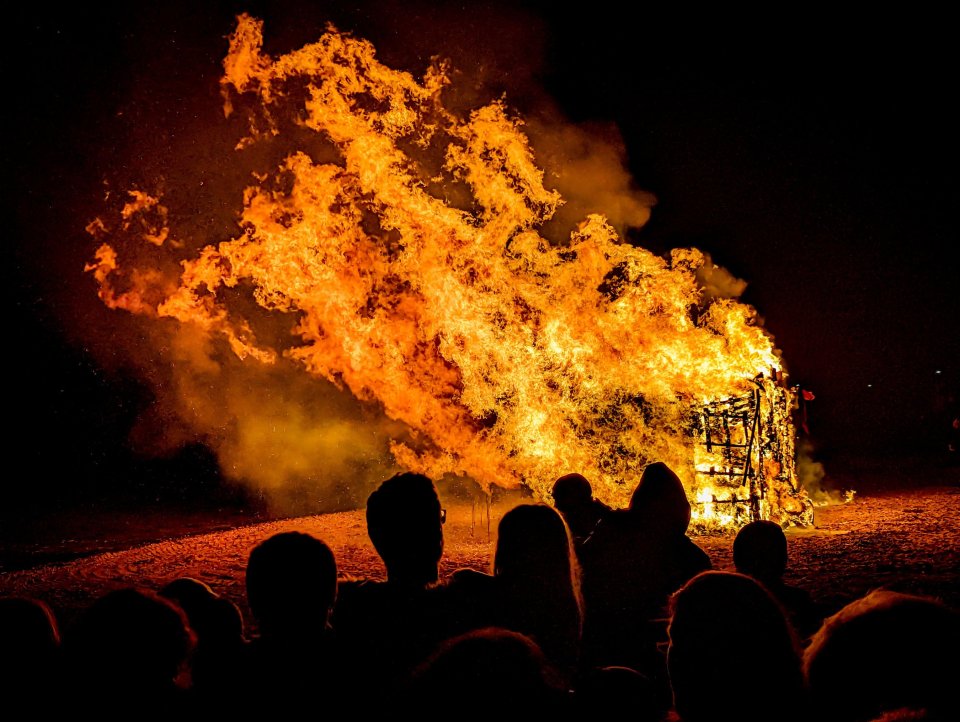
(418, 279)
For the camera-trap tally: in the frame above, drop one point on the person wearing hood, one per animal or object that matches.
(633, 562)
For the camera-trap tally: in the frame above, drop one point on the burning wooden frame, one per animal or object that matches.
(745, 466)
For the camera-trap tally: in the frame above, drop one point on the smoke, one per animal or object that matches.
(813, 478)
(718, 282)
(298, 442)
(587, 165)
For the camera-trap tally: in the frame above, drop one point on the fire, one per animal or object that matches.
(419, 282)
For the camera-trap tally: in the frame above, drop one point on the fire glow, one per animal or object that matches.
(420, 283)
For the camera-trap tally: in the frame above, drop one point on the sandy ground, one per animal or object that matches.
(906, 539)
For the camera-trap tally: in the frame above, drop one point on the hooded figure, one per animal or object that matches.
(659, 503)
(633, 562)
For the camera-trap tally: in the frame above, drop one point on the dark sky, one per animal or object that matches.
(813, 158)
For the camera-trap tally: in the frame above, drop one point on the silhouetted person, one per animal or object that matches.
(125, 654)
(385, 629)
(615, 693)
(884, 652)
(291, 583)
(633, 562)
(733, 654)
(573, 497)
(760, 551)
(218, 625)
(29, 653)
(535, 585)
(486, 674)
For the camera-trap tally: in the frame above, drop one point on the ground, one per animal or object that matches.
(906, 539)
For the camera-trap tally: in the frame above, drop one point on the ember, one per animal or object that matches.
(412, 263)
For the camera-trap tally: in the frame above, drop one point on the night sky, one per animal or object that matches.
(816, 160)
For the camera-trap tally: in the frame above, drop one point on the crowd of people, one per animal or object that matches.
(586, 612)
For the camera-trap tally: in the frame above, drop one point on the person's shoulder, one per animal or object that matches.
(357, 592)
(358, 586)
(600, 508)
(468, 579)
(612, 532)
(614, 523)
(694, 554)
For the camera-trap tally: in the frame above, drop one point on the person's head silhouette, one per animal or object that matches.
(507, 667)
(723, 621)
(660, 500)
(29, 642)
(214, 619)
(291, 585)
(129, 641)
(571, 492)
(533, 542)
(760, 551)
(882, 652)
(404, 522)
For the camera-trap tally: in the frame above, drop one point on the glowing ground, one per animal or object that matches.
(907, 539)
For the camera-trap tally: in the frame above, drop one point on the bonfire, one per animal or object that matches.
(399, 251)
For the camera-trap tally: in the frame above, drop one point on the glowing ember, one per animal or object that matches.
(418, 279)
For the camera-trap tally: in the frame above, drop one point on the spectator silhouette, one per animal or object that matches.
(405, 525)
(291, 588)
(218, 625)
(29, 659)
(573, 497)
(884, 652)
(126, 653)
(760, 551)
(535, 586)
(385, 629)
(732, 653)
(633, 562)
(483, 674)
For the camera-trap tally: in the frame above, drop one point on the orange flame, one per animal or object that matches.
(419, 281)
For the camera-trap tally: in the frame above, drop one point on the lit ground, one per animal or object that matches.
(906, 539)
